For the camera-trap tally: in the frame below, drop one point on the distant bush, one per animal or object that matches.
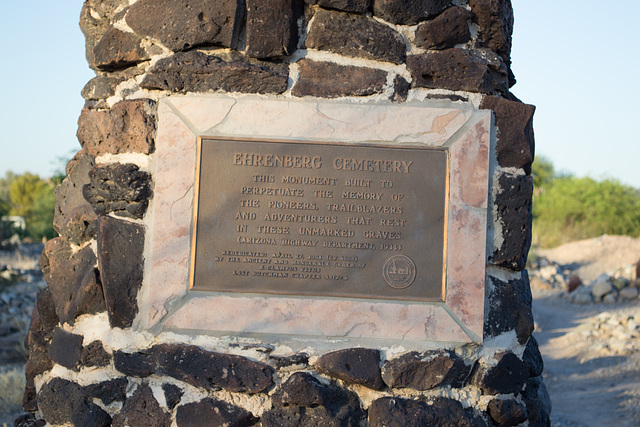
(567, 208)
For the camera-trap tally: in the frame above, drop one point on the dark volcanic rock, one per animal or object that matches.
(353, 366)
(74, 218)
(108, 391)
(65, 270)
(510, 309)
(117, 49)
(184, 24)
(215, 412)
(272, 27)
(400, 89)
(94, 355)
(120, 247)
(294, 359)
(121, 189)
(507, 376)
(355, 35)
(62, 401)
(459, 69)
(304, 401)
(228, 71)
(359, 6)
(101, 87)
(408, 12)
(142, 410)
(65, 349)
(329, 80)
(532, 358)
(444, 31)
(507, 413)
(424, 371)
(95, 19)
(538, 402)
(443, 412)
(89, 297)
(139, 364)
(127, 127)
(514, 121)
(28, 420)
(514, 211)
(172, 395)
(46, 310)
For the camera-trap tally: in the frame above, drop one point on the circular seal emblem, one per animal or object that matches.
(399, 271)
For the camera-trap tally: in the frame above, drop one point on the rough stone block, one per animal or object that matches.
(444, 31)
(64, 402)
(28, 420)
(532, 358)
(143, 410)
(95, 18)
(127, 127)
(172, 395)
(101, 87)
(514, 212)
(514, 121)
(510, 309)
(303, 400)
(184, 24)
(120, 247)
(355, 35)
(138, 364)
(443, 412)
(424, 371)
(459, 69)
(117, 49)
(329, 80)
(46, 310)
(507, 413)
(88, 298)
(215, 412)
(38, 363)
(408, 12)
(359, 6)
(65, 270)
(508, 375)
(284, 361)
(228, 71)
(353, 366)
(272, 27)
(65, 349)
(110, 391)
(94, 354)
(538, 402)
(121, 189)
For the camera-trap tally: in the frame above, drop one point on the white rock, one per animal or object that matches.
(611, 298)
(629, 293)
(583, 298)
(601, 287)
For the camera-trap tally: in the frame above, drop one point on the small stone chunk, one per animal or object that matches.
(121, 189)
(294, 359)
(272, 27)
(400, 89)
(514, 212)
(28, 420)
(514, 121)
(442, 412)
(507, 376)
(355, 35)
(108, 391)
(330, 80)
(117, 49)
(359, 6)
(139, 364)
(444, 31)
(304, 401)
(142, 410)
(172, 395)
(495, 19)
(353, 366)
(408, 12)
(120, 247)
(101, 87)
(127, 127)
(184, 24)
(65, 349)
(215, 413)
(196, 71)
(64, 402)
(532, 358)
(89, 297)
(424, 371)
(95, 18)
(459, 69)
(94, 355)
(507, 413)
(510, 309)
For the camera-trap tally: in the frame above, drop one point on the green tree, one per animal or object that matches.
(542, 171)
(33, 198)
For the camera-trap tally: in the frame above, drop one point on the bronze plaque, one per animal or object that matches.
(316, 219)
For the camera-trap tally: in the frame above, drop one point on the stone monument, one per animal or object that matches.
(292, 213)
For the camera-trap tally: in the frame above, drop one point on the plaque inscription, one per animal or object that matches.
(315, 219)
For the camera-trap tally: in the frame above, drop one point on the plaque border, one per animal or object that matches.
(165, 303)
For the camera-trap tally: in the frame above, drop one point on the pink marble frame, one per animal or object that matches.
(166, 304)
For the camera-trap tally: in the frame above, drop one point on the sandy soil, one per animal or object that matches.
(588, 387)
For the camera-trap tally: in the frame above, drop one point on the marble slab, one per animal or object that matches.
(166, 301)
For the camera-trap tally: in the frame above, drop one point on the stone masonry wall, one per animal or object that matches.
(87, 366)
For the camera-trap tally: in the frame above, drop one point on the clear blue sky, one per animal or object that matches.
(576, 61)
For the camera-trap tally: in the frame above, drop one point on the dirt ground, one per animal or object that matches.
(588, 387)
